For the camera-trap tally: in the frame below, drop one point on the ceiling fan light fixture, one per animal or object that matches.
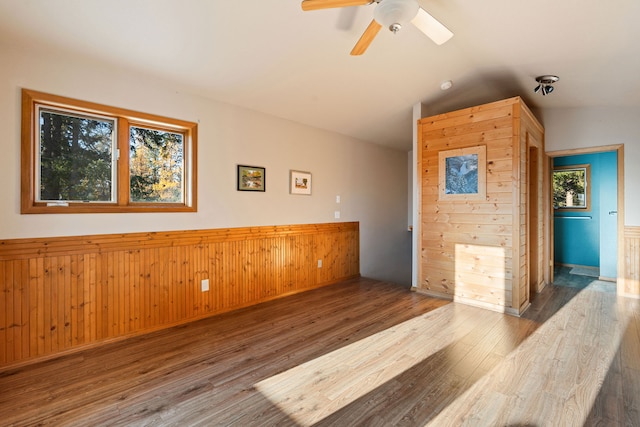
(394, 13)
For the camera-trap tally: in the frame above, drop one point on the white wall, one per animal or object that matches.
(570, 128)
(371, 180)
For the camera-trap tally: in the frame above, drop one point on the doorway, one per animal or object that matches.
(535, 233)
(587, 234)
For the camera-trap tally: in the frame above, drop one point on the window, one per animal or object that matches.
(83, 157)
(571, 189)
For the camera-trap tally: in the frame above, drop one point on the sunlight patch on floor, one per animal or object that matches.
(311, 391)
(537, 384)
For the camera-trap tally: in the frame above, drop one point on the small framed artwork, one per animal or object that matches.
(299, 182)
(462, 174)
(251, 178)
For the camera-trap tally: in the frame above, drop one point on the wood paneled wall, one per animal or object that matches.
(631, 282)
(64, 293)
(531, 207)
(475, 251)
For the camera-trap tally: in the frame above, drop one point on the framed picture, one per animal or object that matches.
(251, 178)
(299, 182)
(462, 174)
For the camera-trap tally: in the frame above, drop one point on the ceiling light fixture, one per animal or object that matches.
(393, 14)
(545, 84)
(446, 85)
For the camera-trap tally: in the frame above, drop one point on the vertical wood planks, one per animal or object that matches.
(474, 251)
(632, 261)
(6, 314)
(61, 293)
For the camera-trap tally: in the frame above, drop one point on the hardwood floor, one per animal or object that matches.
(358, 353)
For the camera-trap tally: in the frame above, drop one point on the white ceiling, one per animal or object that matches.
(270, 56)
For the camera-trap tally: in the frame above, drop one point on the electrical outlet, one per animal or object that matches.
(336, 214)
(204, 285)
(337, 199)
(319, 263)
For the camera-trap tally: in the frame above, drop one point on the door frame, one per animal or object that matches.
(619, 149)
(536, 187)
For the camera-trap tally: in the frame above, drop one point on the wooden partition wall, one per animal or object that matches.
(63, 293)
(485, 249)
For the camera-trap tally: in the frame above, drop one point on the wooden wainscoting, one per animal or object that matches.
(64, 293)
(631, 284)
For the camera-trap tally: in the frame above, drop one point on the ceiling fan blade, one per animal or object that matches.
(366, 38)
(329, 4)
(431, 27)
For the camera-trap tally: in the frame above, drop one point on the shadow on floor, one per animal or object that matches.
(563, 276)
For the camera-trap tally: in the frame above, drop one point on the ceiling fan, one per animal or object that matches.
(391, 14)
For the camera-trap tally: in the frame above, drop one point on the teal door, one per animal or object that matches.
(609, 215)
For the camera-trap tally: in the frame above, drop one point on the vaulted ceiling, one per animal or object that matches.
(270, 56)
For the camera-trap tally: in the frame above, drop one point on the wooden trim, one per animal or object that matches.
(417, 228)
(123, 162)
(61, 294)
(622, 247)
(548, 214)
(632, 232)
(27, 161)
(586, 150)
(100, 243)
(472, 112)
(529, 214)
(516, 128)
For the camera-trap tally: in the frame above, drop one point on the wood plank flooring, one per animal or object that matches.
(359, 353)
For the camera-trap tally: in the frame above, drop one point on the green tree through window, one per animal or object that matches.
(76, 161)
(83, 157)
(570, 186)
(156, 159)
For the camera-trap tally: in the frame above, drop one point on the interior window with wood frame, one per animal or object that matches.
(82, 157)
(572, 188)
